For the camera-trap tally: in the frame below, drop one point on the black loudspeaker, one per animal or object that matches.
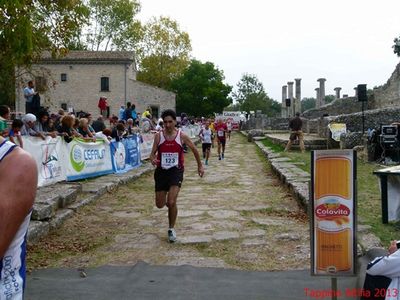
(287, 102)
(362, 92)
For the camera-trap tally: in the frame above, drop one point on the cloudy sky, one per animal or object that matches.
(348, 42)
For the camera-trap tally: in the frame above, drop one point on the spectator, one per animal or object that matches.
(147, 113)
(18, 184)
(41, 125)
(147, 125)
(4, 116)
(295, 126)
(133, 113)
(128, 111)
(29, 126)
(383, 274)
(98, 125)
(15, 132)
(103, 106)
(51, 124)
(160, 125)
(129, 126)
(67, 128)
(76, 126)
(121, 113)
(29, 92)
(84, 130)
(119, 132)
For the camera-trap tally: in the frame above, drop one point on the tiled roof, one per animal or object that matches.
(90, 57)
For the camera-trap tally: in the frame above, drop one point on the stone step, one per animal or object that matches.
(51, 198)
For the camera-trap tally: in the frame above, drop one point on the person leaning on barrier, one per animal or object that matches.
(295, 126)
(29, 127)
(383, 275)
(18, 184)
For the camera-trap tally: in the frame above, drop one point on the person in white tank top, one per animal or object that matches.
(205, 135)
(18, 184)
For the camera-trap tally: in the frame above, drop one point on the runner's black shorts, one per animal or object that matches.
(164, 179)
(206, 146)
(221, 141)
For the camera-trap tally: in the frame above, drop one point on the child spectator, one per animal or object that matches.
(15, 132)
(4, 116)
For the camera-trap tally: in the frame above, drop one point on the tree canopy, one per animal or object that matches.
(200, 90)
(27, 27)
(251, 96)
(112, 24)
(163, 53)
(396, 46)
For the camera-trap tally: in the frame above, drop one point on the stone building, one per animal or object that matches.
(78, 79)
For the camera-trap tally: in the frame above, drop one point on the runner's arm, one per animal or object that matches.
(18, 184)
(196, 154)
(153, 157)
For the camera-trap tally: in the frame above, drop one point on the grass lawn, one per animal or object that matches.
(369, 196)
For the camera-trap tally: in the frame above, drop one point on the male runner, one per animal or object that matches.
(167, 155)
(229, 127)
(221, 130)
(212, 124)
(18, 183)
(205, 135)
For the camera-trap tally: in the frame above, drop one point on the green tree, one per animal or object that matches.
(329, 99)
(27, 27)
(251, 96)
(307, 103)
(110, 23)
(163, 53)
(396, 46)
(200, 90)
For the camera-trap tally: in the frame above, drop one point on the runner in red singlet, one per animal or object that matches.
(167, 155)
(221, 129)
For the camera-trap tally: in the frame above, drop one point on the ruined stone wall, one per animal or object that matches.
(337, 107)
(388, 95)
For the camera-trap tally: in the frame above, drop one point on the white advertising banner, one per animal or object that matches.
(48, 156)
(87, 159)
(337, 129)
(191, 131)
(234, 117)
(147, 140)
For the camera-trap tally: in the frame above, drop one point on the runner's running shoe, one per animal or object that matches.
(171, 235)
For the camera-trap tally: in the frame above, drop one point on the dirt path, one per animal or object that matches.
(237, 216)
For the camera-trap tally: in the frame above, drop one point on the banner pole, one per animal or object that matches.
(334, 288)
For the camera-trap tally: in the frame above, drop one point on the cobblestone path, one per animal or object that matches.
(237, 216)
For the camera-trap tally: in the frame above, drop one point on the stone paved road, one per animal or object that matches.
(237, 216)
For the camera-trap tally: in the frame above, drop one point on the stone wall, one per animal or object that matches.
(388, 95)
(337, 107)
(373, 118)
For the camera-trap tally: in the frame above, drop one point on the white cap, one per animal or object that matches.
(29, 118)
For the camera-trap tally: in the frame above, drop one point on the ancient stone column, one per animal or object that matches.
(290, 96)
(317, 100)
(284, 110)
(337, 90)
(321, 90)
(356, 92)
(298, 95)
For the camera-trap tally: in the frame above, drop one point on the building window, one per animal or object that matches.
(63, 77)
(105, 87)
